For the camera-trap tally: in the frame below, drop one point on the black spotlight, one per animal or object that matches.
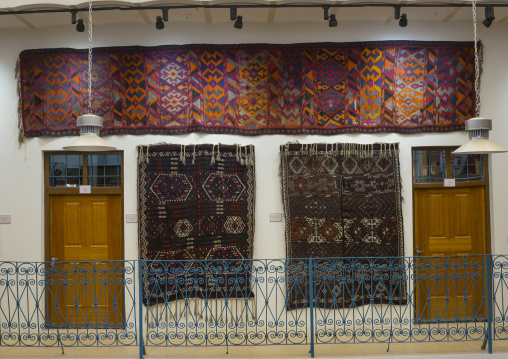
(165, 16)
(239, 22)
(489, 16)
(80, 26)
(333, 21)
(159, 24)
(403, 20)
(233, 13)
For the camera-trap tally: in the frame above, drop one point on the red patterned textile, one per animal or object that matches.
(252, 89)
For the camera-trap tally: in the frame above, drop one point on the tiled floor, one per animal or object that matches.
(470, 350)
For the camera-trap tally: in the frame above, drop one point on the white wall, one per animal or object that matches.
(21, 181)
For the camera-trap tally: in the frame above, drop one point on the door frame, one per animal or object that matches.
(75, 190)
(440, 185)
(484, 183)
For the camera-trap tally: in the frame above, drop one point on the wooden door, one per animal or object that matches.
(450, 222)
(85, 230)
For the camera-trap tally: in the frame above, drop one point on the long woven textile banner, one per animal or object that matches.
(344, 200)
(195, 202)
(252, 89)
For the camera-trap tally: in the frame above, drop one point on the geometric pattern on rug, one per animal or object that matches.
(196, 202)
(343, 201)
(251, 89)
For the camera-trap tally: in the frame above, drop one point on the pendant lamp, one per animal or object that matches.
(478, 127)
(89, 124)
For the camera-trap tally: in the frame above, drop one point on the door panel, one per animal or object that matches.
(84, 230)
(450, 222)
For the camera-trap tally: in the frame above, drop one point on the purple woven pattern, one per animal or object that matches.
(195, 202)
(252, 89)
(343, 200)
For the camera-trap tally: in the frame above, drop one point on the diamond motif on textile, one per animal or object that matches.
(253, 102)
(171, 187)
(174, 101)
(313, 164)
(409, 101)
(370, 207)
(330, 164)
(253, 72)
(331, 101)
(330, 72)
(173, 73)
(183, 228)
(296, 165)
(234, 224)
(410, 70)
(383, 164)
(350, 165)
(221, 187)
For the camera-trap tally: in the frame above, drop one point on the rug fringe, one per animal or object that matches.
(21, 127)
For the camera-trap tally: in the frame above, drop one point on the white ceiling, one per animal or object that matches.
(262, 15)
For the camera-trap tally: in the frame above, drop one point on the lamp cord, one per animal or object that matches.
(90, 56)
(476, 63)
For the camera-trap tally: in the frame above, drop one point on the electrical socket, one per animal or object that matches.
(5, 218)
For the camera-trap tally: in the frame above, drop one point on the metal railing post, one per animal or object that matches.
(140, 300)
(489, 300)
(311, 291)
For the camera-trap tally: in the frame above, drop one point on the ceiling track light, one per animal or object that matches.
(326, 8)
(80, 26)
(489, 16)
(233, 13)
(159, 23)
(239, 22)
(333, 21)
(402, 18)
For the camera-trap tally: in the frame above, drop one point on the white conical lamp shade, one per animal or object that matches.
(479, 146)
(479, 143)
(89, 143)
(89, 140)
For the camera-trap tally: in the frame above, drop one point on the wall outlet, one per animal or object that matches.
(131, 218)
(5, 218)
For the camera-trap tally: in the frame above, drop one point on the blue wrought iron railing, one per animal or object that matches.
(306, 301)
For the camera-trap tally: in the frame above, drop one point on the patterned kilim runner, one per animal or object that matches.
(252, 89)
(344, 200)
(195, 202)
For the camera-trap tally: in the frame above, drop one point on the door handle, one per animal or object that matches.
(418, 251)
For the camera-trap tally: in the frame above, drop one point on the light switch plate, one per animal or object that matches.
(275, 217)
(5, 218)
(131, 218)
(85, 189)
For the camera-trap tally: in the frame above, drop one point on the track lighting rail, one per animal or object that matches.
(249, 6)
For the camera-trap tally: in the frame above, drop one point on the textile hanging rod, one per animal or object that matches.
(250, 6)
